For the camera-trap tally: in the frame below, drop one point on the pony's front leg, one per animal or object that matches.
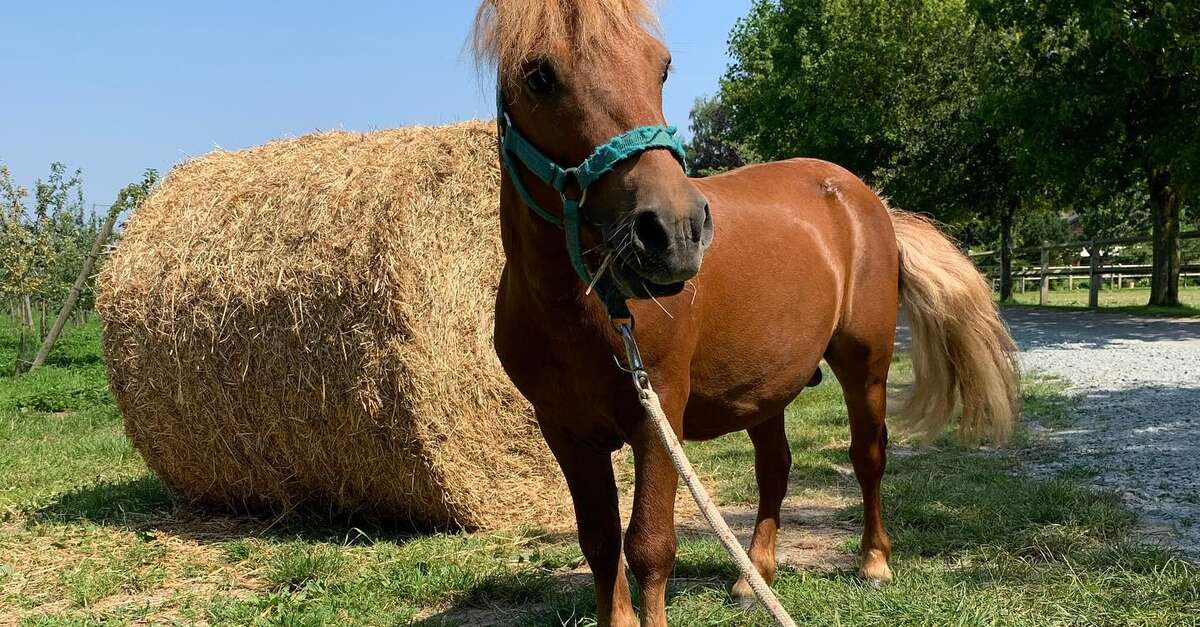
(589, 475)
(650, 542)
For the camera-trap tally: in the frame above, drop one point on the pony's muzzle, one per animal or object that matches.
(669, 245)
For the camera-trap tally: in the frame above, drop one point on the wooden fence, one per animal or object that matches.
(1096, 270)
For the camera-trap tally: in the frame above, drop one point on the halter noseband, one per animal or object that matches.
(514, 147)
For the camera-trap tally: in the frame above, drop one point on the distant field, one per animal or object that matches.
(1131, 299)
(89, 536)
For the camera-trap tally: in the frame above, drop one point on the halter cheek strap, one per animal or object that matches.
(514, 147)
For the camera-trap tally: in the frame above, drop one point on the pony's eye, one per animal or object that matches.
(667, 72)
(540, 78)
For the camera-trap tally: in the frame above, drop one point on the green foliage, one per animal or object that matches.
(41, 247)
(712, 149)
(1102, 88)
(1036, 118)
(889, 90)
(44, 247)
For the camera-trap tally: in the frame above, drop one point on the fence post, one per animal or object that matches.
(1094, 277)
(1044, 296)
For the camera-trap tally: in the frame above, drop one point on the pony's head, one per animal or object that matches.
(573, 74)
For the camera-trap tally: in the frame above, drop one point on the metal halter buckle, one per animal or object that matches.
(633, 357)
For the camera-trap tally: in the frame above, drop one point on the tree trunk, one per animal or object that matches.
(76, 289)
(1094, 263)
(25, 322)
(1006, 227)
(1165, 203)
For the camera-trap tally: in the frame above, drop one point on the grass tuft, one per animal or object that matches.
(296, 566)
(1127, 301)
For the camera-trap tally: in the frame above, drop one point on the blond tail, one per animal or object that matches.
(962, 353)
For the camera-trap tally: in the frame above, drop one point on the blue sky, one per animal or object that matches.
(114, 88)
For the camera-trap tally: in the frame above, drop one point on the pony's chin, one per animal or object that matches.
(654, 290)
(633, 285)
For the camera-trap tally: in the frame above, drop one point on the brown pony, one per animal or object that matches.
(801, 261)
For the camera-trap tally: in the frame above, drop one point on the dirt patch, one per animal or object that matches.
(811, 539)
(810, 536)
(58, 568)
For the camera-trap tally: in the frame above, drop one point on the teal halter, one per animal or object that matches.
(514, 147)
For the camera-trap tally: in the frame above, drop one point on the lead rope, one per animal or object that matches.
(712, 515)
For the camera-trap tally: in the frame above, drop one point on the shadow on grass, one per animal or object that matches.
(76, 347)
(943, 502)
(144, 504)
(119, 503)
(567, 598)
(73, 359)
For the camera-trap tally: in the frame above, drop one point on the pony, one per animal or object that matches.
(740, 284)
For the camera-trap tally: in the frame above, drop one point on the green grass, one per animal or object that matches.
(1128, 300)
(88, 536)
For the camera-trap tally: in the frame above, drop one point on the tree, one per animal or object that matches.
(41, 248)
(13, 236)
(48, 248)
(712, 148)
(128, 199)
(891, 90)
(24, 243)
(58, 207)
(1111, 94)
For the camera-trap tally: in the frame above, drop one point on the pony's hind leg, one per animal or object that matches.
(772, 463)
(862, 372)
(589, 475)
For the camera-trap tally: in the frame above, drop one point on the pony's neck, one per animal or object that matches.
(536, 251)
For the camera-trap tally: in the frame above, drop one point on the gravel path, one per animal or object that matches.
(1138, 427)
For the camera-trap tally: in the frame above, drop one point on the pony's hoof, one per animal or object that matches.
(874, 569)
(743, 595)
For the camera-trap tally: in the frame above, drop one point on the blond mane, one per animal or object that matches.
(510, 33)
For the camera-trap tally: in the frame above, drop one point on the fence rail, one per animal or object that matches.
(1096, 269)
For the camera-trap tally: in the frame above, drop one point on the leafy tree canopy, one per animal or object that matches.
(712, 148)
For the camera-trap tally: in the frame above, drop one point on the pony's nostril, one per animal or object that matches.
(702, 226)
(650, 232)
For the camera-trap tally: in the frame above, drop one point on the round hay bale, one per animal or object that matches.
(308, 325)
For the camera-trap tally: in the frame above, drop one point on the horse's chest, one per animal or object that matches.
(560, 373)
